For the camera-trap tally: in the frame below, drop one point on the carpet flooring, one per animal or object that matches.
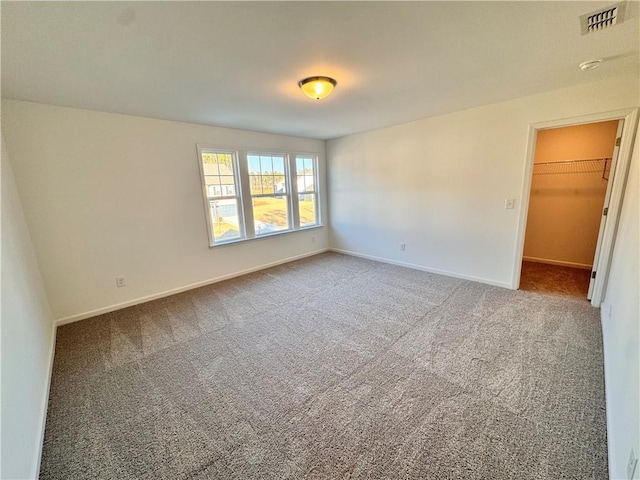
(545, 278)
(327, 368)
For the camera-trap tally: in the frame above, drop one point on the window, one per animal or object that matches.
(220, 180)
(269, 193)
(253, 194)
(307, 190)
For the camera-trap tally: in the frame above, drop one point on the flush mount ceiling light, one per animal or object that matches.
(317, 87)
(590, 65)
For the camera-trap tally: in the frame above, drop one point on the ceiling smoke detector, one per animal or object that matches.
(603, 18)
(590, 65)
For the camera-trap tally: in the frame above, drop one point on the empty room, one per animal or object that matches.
(320, 240)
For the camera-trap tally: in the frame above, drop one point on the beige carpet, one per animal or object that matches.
(332, 367)
(555, 279)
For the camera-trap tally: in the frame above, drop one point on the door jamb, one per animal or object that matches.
(630, 117)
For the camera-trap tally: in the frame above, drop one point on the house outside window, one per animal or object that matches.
(219, 175)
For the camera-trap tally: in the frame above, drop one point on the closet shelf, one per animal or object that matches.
(590, 165)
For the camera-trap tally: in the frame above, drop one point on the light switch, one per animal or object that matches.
(509, 203)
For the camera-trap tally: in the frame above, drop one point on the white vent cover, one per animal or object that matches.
(603, 18)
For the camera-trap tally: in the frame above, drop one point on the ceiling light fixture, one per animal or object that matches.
(590, 65)
(317, 87)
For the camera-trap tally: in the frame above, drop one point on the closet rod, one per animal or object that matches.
(574, 162)
(563, 162)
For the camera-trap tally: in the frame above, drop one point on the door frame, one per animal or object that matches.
(630, 117)
(604, 218)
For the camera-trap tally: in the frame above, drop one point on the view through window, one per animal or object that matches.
(307, 193)
(221, 187)
(253, 194)
(269, 197)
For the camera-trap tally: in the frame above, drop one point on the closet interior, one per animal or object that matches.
(571, 171)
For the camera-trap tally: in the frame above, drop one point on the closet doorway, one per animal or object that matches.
(571, 181)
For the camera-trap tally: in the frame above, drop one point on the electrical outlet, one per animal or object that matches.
(120, 282)
(631, 466)
(313, 239)
(509, 203)
(403, 247)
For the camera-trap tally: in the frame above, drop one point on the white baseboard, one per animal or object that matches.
(173, 291)
(45, 401)
(561, 263)
(608, 395)
(425, 269)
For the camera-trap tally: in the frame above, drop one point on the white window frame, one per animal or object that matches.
(244, 198)
(288, 196)
(314, 162)
(208, 199)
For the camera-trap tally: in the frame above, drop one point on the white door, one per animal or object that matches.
(605, 210)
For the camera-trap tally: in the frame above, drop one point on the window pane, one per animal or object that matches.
(305, 171)
(278, 165)
(224, 219)
(268, 184)
(307, 205)
(218, 169)
(270, 214)
(254, 164)
(255, 181)
(279, 184)
(210, 163)
(265, 165)
(213, 185)
(227, 180)
(308, 183)
(267, 174)
(212, 179)
(305, 183)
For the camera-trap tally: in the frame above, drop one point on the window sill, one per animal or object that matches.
(268, 235)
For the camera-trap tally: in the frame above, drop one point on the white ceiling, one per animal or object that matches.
(237, 64)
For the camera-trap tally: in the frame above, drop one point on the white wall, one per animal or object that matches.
(27, 340)
(621, 331)
(109, 195)
(439, 184)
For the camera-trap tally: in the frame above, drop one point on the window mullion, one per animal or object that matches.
(269, 195)
(245, 197)
(228, 197)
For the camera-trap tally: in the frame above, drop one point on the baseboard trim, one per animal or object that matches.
(425, 269)
(608, 395)
(45, 401)
(173, 291)
(561, 263)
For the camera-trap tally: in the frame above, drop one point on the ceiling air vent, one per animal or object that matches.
(603, 18)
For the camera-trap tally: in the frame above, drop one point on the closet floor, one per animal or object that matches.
(567, 281)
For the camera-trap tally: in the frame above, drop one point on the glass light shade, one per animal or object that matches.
(317, 87)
